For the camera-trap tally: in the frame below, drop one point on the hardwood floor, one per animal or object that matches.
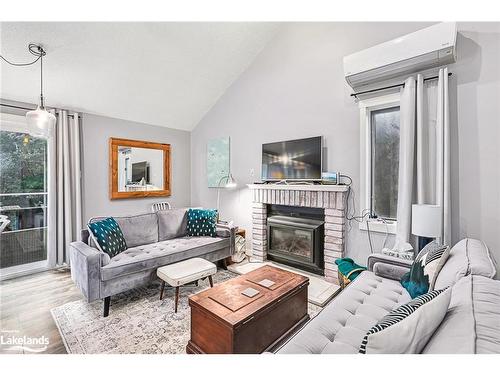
(25, 305)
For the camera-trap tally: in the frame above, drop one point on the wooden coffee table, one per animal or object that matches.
(223, 320)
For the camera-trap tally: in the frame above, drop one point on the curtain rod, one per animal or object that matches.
(391, 87)
(25, 109)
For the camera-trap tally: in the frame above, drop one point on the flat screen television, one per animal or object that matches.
(299, 160)
(139, 171)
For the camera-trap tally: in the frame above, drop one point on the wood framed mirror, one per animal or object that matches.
(138, 169)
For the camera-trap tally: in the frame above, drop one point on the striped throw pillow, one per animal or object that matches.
(407, 328)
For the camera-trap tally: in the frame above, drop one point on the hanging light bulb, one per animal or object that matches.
(41, 120)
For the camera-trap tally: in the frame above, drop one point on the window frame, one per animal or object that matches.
(17, 123)
(366, 107)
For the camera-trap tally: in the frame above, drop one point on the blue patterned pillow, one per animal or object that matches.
(201, 222)
(108, 236)
(425, 268)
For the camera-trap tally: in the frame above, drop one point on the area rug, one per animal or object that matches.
(138, 321)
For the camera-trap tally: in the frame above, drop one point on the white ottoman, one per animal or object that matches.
(184, 272)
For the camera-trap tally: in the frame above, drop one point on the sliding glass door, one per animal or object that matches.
(24, 198)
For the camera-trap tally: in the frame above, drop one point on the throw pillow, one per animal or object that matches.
(408, 328)
(425, 268)
(202, 222)
(108, 236)
(172, 223)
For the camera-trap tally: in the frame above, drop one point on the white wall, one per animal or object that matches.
(295, 88)
(96, 131)
(475, 112)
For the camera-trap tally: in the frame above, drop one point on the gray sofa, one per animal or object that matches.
(471, 325)
(153, 240)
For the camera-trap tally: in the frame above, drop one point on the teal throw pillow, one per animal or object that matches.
(425, 268)
(202, 222)
(108, 236)
(348, 268)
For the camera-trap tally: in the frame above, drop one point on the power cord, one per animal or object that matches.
(39, 52)
(351, 214)
(34, 49)
(346, 176)
(351, 209)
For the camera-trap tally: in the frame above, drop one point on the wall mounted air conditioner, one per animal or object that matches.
(421, 50)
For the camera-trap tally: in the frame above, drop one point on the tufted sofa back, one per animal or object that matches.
(138, 229)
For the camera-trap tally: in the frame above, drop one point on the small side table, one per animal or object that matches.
(239, 232)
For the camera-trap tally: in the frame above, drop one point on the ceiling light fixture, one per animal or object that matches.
(40, 121)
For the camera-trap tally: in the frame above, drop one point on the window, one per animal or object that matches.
(384, 133)
(379, 119)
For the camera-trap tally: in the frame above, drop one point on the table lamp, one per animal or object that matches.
(426, 223)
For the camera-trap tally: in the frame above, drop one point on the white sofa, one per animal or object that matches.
(471, 325)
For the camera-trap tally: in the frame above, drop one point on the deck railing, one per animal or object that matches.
(25, 238)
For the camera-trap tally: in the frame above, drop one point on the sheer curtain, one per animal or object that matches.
(68, 193)
(425, 147)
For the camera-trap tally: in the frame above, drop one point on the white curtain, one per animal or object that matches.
(406, 163)
(443, 186)
(425, 146)
(68, 192)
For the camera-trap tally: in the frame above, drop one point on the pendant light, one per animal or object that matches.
(40, 120)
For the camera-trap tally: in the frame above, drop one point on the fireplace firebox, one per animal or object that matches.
(295, 237)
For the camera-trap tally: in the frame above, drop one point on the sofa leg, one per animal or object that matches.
(107, 301)
(223, 263)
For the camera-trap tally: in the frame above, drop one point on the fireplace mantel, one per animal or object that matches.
(331, 198)
(341, 188)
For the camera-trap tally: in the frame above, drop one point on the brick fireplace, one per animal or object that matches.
(330, 198)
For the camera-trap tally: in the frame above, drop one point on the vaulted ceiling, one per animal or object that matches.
(167, 74)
